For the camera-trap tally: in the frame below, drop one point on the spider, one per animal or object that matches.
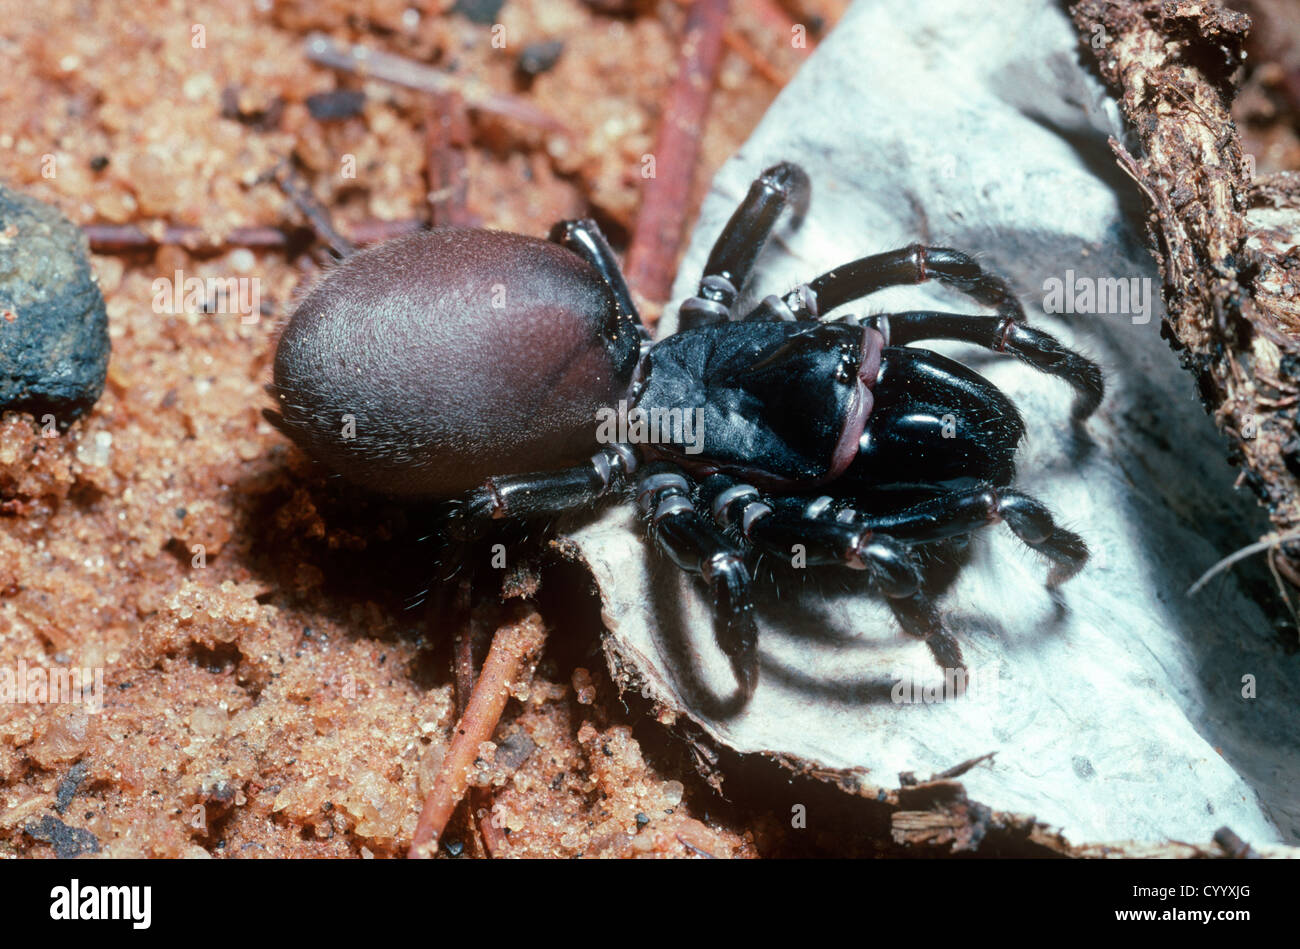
(471, 365)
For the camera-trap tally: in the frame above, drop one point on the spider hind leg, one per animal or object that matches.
(1003, 335)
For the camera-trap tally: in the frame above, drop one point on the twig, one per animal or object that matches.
(125, 238)
(957, 770)
(465, 646)
(760, 63)
(129, 238)
(446, 136)
(1268, 543)
(363, 61)
(772, 19)
(1280, 567)
(468, 632)
(656, 238)
(515, 648)
(320, 219)
(468, 647)
(482, 799)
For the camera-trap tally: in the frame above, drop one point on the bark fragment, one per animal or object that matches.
(1225, 242)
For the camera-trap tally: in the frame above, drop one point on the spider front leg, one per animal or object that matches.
(1002, 334)
(784, 526)
(907, 266)
(779, 525)
(737, 248)
(961, 512)
(695, 545)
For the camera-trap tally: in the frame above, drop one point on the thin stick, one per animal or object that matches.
(515, 649)
(469, 646)
(1268, 543)
(467, 634)
(657, 236)
(757, 61)
(320, 219)
(957, 770)
(446, 135)
(130, 238)
(1278, 566)
(493, 839)
(466, 645)
(364, 61)
(738, 44)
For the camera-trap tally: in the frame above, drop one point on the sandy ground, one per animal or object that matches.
(266, 692)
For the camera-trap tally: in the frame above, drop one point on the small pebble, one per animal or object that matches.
(68, 842)
(537, 58)
(479, 11)
(54, 349)
(583, 686)
(337, 105)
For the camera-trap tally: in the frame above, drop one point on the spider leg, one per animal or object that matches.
(961, 512)
(1002, 334)
(779, 525)
(697, 546)
(911, 265)
(954, 513)
(583, 236)
(732, 259)
(543, 493)
(791, 527)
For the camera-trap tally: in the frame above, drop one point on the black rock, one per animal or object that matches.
(68, 841)
(53, 326)
(336, 105)
(537, 58)
(69, 784)
(479, 11)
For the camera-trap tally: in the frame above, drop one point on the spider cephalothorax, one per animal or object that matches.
(472, 365)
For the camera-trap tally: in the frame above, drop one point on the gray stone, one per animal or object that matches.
(53, 326)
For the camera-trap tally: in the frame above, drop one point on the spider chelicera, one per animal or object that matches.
(471, 365)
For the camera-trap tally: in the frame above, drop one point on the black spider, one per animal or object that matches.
(473, 364)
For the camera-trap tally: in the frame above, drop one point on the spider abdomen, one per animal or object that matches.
(426, 364)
